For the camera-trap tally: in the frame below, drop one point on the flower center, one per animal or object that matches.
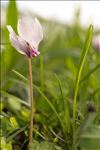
(33, 52)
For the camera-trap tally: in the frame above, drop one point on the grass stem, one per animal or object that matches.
(78, 76)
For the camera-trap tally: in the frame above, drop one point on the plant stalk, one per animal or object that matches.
(31, 102)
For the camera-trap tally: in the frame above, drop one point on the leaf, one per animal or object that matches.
(78, 76)
(90, 138)
(14, 122)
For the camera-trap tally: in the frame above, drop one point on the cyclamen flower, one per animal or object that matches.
(30, 35)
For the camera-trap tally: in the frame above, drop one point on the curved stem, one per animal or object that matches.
(31, 102)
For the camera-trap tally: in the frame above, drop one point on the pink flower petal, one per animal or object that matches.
(19, 44)
(30, 32)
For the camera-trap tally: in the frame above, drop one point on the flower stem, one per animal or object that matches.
(31, 102)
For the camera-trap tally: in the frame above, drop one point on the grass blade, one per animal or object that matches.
(78, 76)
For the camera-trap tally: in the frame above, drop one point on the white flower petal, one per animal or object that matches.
(19, 44)
(38, 32)
(30, 32)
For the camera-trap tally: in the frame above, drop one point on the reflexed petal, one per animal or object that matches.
(30, 32)
(19, 44)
